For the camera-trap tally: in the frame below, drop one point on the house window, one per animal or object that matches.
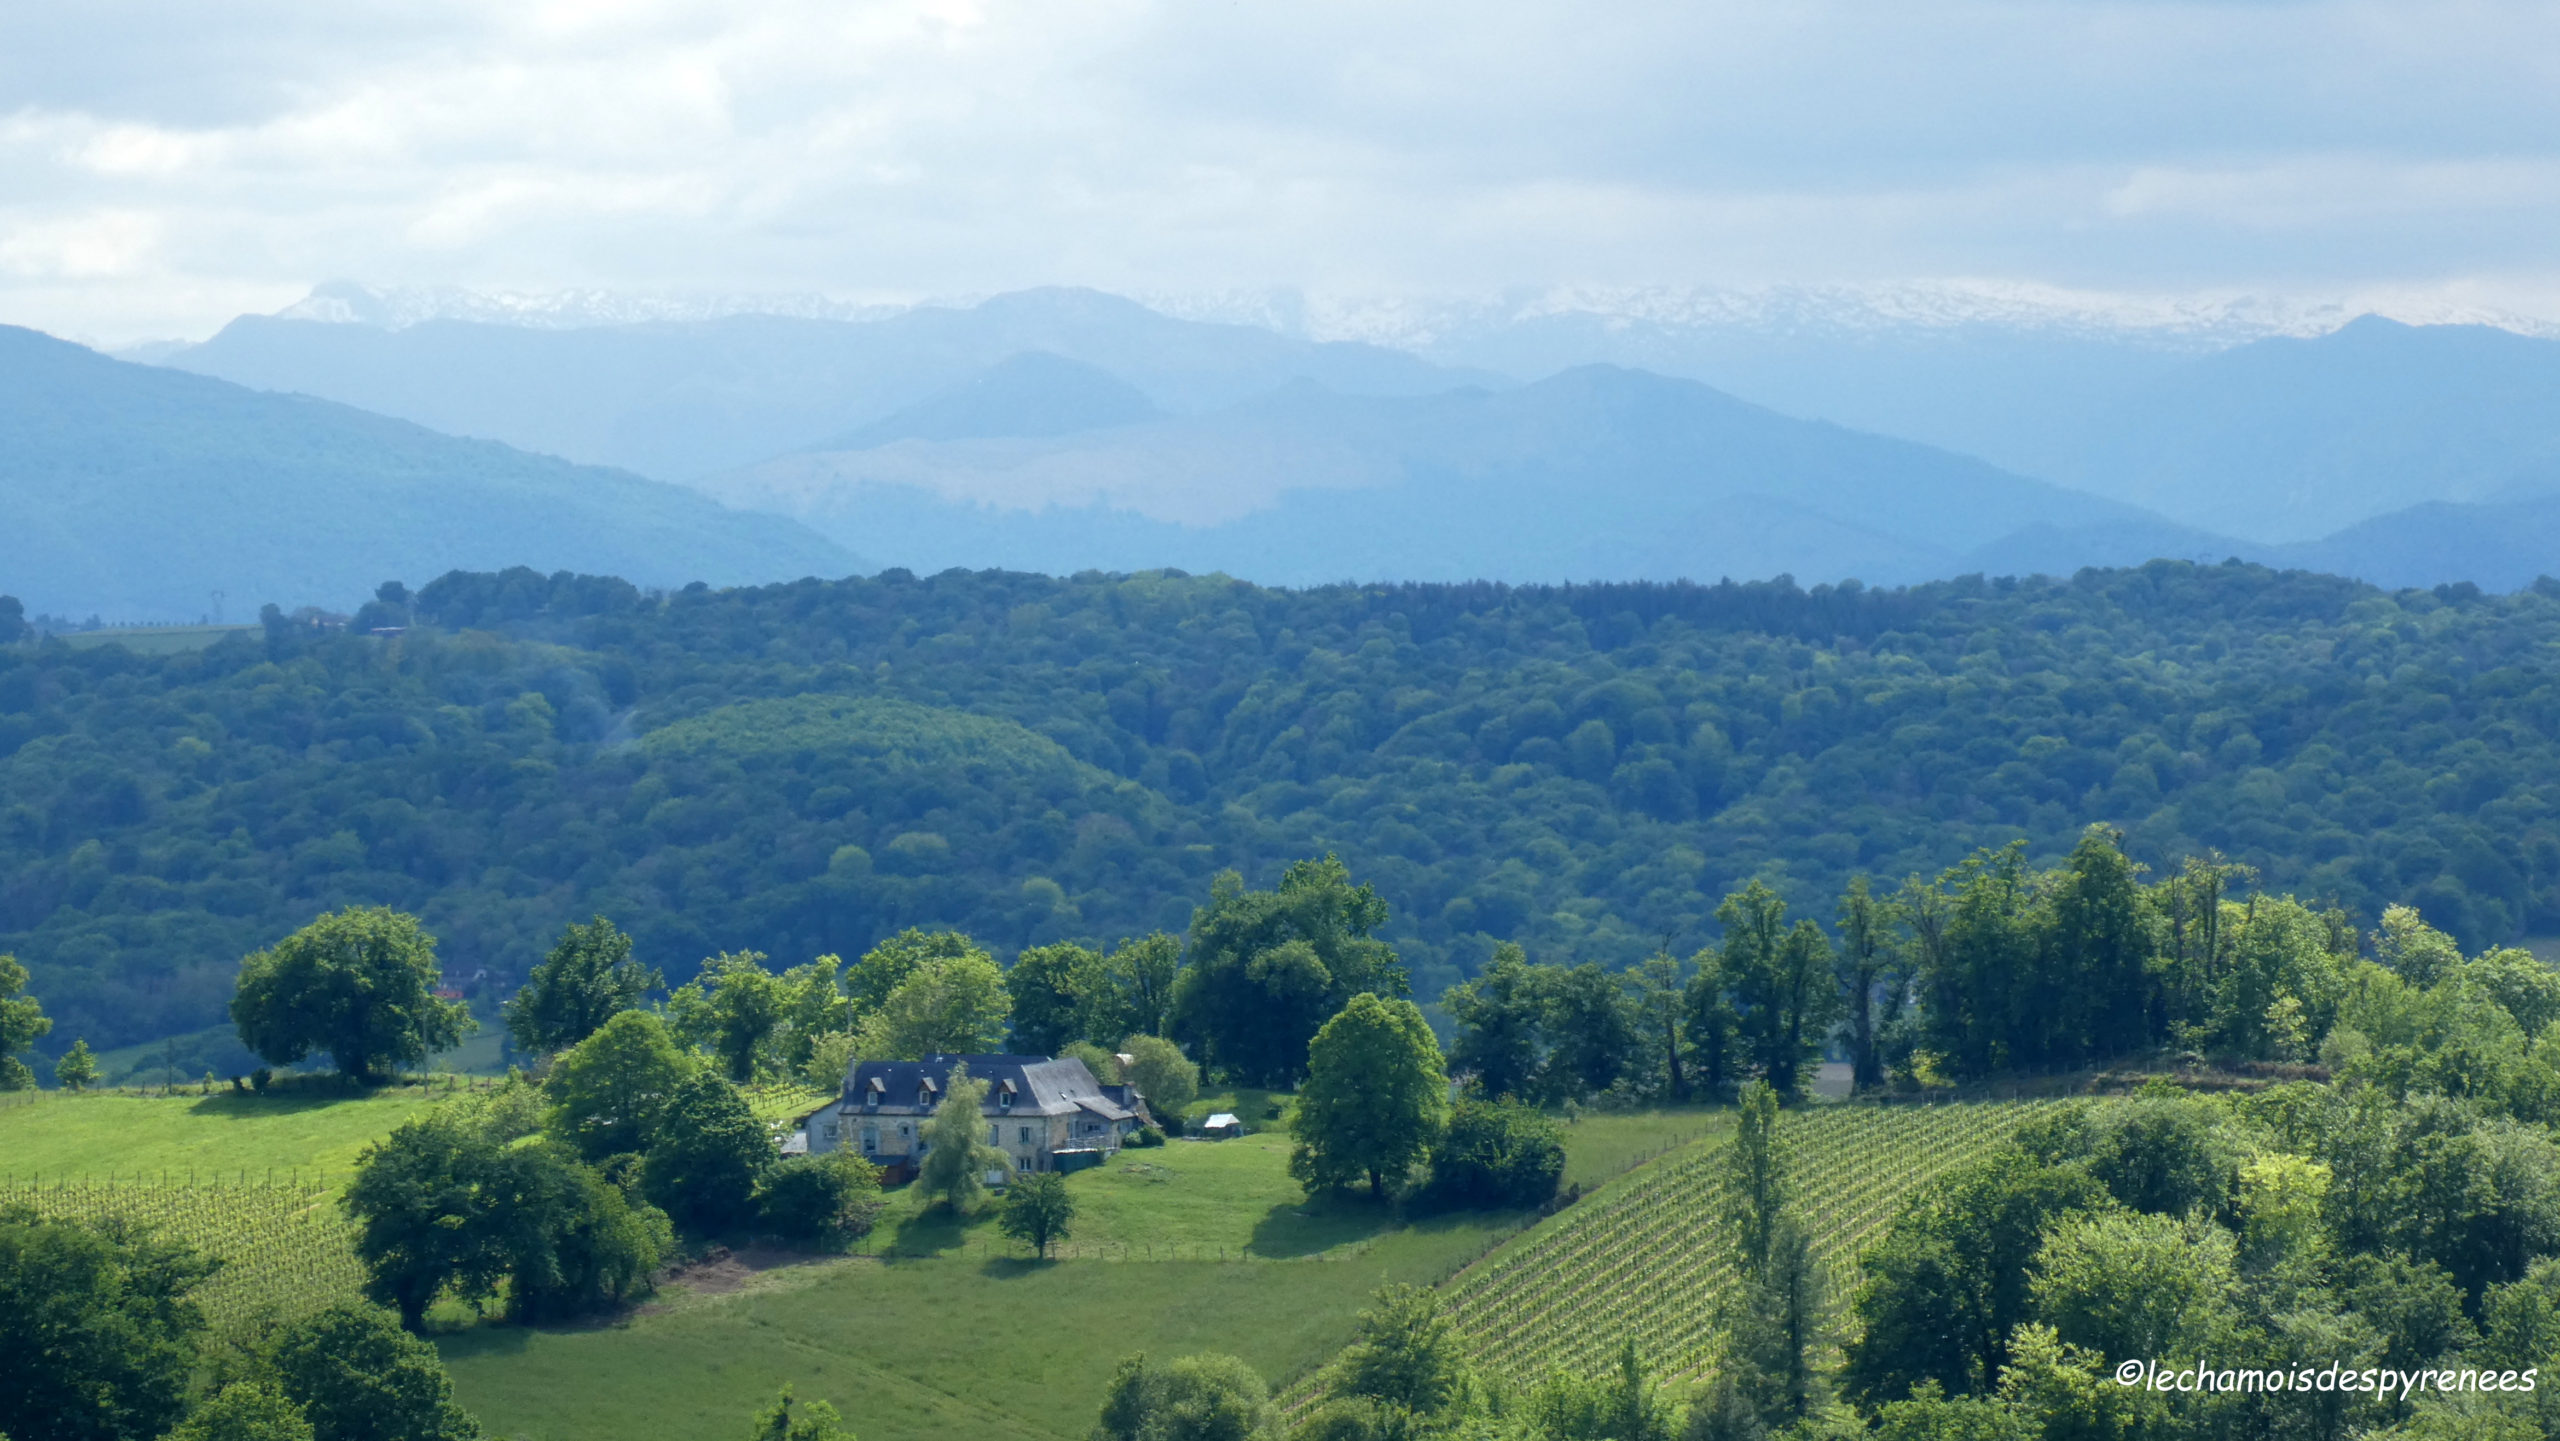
(1024, 1136)
(870, 1138)
(995, 1135)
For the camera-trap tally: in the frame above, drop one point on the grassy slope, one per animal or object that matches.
(224, 1133)
(910, 1350)
(975, 1340)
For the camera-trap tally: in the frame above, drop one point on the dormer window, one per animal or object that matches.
(924, 1091)
(1004, 1097)
(872, 1093)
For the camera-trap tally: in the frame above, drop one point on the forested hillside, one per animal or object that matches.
(806, 768)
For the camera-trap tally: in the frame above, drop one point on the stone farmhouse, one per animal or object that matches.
(1044, 1114)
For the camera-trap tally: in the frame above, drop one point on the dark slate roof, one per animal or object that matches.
(1039, 1086)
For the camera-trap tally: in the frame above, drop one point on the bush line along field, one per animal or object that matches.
(803, 769)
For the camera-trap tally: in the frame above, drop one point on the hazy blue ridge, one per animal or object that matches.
(2288, 440)
(1031, 394)
(136, 492)
(682, 399)
(1600, 473)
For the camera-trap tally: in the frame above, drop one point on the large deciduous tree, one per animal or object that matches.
(1132, 991)
(1869, 960)
(947, 1006)
(880, 970)
(446, 1204)
(732, 1010)
(255, 1410)
(1779, 978)
(359, 1377)
(1375, 1100)
(1948, 1282)
(1498, 1016)
(706, 1156)
(97, 1336)
(1049, 986)
(1267, 968)
(22, 1021)
(358, 984)
(608, 1091)
(587, 980)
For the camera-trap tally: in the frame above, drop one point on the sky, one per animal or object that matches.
(165, 166)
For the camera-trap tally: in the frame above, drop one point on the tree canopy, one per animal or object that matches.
(588, 978)
(1375, 1100)
(1268, 967)
(22, 1023)
(358, 984)
(1074, 759)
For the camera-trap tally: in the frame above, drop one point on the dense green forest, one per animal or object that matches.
(1586, 771)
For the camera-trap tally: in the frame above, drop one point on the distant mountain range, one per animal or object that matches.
(137, 492)
(2286, 440)
(1061, 430)
(1598, 473)
(681, 399)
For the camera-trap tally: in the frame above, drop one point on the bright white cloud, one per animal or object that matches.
(164, 165)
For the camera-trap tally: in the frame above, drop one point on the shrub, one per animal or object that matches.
(1145, 1137)
(830, 1198)
(1496, 1154)
(1162, 1074)
(1038, 1210)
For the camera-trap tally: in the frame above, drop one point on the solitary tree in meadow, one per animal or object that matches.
(1038, 1211)
(78, 1069)
(358, 984)
(1376, 1096)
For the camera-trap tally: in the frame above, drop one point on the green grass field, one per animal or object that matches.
(974, 1339)
(225, 1134)
(1184, 1200)
(923, 1350)
(1603, 1144)
(945, 1327)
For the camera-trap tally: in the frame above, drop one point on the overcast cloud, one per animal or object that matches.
(164, 166)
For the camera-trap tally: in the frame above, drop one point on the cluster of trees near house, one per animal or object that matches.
(1581, 771)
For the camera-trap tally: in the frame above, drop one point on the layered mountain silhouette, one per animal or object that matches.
(2285, 440)
(137, 492)
(1061, 430)
(1598, 473)
(678, 399)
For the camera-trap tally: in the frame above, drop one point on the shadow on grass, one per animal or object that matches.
(1013, 1268)
(1321, 1223)
(934, 1231)
(485, 1339)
